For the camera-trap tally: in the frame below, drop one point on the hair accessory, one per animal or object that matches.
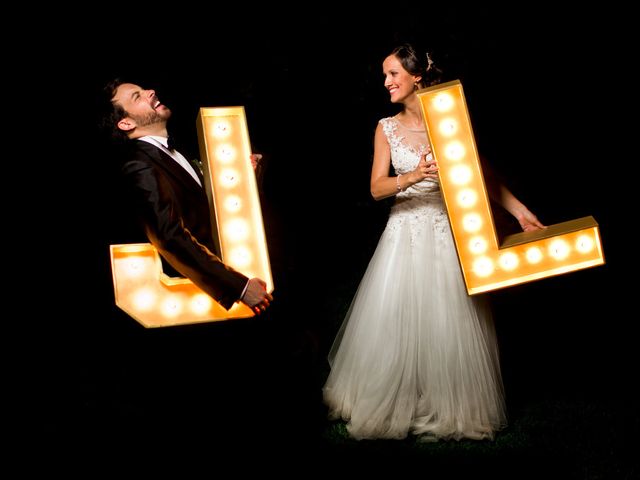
(429, 62)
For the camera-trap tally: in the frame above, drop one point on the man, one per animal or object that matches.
(168, 193)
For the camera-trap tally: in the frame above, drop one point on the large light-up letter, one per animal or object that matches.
(522, 257)
(156, 300)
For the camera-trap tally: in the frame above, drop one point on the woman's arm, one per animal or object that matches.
(382, 185)
(501, 194)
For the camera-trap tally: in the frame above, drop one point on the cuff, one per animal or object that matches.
(244, 290)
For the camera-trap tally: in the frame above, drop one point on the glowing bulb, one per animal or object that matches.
(483, 267)
(478, 245)
(135, 267)
(471, 222)
(584, 244)
(454, 151)
(460, 174)
(467, 198)
(533, 255)
(225, 153)
(171, 306)
(200, 303)
(443, 102)
(144, 299)
(236, 230)
(232, 203)
(559, 249)
(221, 129)
(240, 257)
(448, 126)
(508, 261)
(229, 177)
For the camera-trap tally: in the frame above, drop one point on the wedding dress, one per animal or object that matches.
(415, 353)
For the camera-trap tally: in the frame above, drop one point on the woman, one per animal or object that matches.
(415, 353)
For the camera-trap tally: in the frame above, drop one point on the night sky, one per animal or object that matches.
(543, 91)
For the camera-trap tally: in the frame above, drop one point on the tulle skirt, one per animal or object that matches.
(415, 353)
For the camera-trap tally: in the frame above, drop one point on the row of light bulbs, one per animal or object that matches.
(469, 211)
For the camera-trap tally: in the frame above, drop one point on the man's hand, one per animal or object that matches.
(255, 159)
(256, 296)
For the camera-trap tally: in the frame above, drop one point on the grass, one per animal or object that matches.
(551, 438)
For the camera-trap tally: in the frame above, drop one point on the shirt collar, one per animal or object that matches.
(155, 138)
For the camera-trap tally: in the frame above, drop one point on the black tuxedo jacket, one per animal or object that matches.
(175, 213)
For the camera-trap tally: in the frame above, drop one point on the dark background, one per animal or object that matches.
(545, 91)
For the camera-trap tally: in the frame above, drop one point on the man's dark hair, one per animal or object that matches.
(112, 113)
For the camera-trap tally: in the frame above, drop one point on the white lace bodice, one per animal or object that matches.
(406, 144)
(421, 201)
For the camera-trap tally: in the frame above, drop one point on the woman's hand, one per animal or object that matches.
(528, 221)
(425, 169)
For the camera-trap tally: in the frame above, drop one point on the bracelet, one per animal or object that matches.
(398, 182)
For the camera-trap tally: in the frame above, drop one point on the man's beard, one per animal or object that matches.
(151, 118)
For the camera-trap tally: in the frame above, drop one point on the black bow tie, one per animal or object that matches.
(171, 143)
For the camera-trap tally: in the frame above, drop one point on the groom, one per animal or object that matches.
(167, 193)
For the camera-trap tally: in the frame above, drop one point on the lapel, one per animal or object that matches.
(170, 165)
